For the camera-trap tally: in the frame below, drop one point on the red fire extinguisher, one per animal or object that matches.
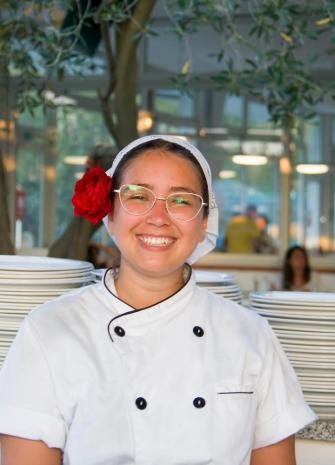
(20, 203)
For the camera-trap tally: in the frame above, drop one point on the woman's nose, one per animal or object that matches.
(158, 215)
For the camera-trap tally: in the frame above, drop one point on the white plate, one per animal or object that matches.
(299, 316)
(294, 298)
(312, 337)
(326, 388)
(228, 294)
(317, 371)
(294, 339)
(298, 325)
(206, 276)
(308, 348)
(32, 291)
(294, 308)
(319, 397)
(311, 365)
(311, 357)
(22, 299)
(219, 286)
(32, 263)
(325, 413)
(17, 304)
(44, 281)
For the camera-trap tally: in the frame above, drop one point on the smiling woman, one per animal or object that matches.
(147, 367)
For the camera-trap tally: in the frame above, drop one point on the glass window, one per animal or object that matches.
(174, 102)
(28, 194)
(258, 116)
(312, 214)
(312, 131)
(236, 187)
(232, 111)
(312, 209)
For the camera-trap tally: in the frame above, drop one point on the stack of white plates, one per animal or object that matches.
(305, 325)
(220, 283)
(26, 282)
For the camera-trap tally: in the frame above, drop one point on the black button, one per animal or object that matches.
(199, 402)
(141, 403)
(119, 331)
(198, 331)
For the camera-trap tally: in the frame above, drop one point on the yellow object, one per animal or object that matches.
(240, 235)
(286, 37)
(324, 21)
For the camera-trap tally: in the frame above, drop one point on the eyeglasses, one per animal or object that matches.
(139, 200)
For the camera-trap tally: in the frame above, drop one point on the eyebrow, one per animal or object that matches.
(172, 188)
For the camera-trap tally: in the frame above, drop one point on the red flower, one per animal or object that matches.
(92, 195)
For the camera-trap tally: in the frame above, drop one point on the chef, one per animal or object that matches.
(147, 368)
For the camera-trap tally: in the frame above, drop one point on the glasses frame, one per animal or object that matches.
(203, 204)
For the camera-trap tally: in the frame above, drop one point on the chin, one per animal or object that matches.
(157, 268)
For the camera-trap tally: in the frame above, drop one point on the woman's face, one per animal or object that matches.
(155, 244)
(297, 260)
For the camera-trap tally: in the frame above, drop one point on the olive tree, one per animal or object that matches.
(265, 50)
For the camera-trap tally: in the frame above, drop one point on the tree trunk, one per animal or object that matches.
(6, 245)
(285, 189)
(74, 241)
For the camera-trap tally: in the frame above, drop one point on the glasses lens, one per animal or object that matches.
(137, 200)
(184, 205)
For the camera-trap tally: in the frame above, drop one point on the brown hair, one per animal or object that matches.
(288, 271)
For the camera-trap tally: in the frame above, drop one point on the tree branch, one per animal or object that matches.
(111, 67)
(134, 25)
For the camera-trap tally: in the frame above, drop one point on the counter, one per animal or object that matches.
(315, 444)
(323, 430)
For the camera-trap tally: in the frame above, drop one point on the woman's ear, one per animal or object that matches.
(203, 228)
(110, 225)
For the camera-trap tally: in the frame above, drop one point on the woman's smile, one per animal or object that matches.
(157, 242)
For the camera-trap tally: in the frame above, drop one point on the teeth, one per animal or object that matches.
(158, 241)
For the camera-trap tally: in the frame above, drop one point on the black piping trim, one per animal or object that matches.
(236, 392)
(143, 308)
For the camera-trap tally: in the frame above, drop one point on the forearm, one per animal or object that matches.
(19, 451)
(280, 453)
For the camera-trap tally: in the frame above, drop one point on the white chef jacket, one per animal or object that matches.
(195, 379)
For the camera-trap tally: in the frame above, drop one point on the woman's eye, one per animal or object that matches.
(137, 197)
(180, 201)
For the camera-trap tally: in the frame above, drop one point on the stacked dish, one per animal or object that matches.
(26, 282)
(305, 325)
(220, 283)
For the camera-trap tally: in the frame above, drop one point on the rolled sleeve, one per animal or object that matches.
(28, 401)
(282, 409)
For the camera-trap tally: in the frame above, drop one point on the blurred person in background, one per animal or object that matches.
(242, 232)
(297, 274)
(264, 243)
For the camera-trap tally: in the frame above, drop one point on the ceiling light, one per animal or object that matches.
(75, 160)
(312, 168)
(145, 121)
(227, 174)
(213, 130)
(285, 166)
(62, 100)
(250, 160)
(265, 132)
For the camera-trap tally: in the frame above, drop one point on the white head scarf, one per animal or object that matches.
(209, 242)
